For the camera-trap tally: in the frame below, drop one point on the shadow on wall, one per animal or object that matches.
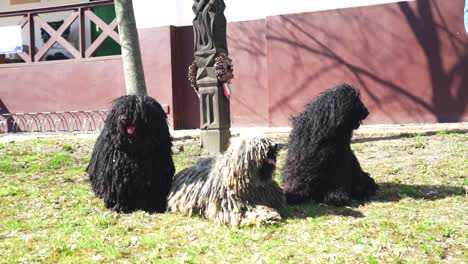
(393, 60)
(247, 48)
(448, 105)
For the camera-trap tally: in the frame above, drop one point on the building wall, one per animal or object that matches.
(91, 84)
(408, 59)
(61, 86)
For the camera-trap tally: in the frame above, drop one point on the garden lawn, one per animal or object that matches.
(48, 212)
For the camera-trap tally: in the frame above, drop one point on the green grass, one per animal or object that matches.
(49, 213)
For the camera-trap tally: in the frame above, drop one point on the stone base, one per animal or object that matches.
(215, 141)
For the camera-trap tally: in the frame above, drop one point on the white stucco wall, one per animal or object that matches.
(154, 13)
(6, 6)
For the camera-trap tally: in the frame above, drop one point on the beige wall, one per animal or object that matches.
(6, 6)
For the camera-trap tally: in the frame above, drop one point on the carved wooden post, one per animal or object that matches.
(210, 70)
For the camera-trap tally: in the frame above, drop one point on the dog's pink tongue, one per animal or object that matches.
(130, 130)
(271, 161)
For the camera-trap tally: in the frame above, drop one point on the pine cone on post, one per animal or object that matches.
(192, 77)
(224, 68)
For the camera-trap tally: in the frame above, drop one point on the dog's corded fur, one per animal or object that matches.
(235, 189)
(320, 163)
(131, 165)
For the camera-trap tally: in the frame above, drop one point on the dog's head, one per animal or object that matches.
(251, 161)
(354, 110)
(137, 122)
(342, 108)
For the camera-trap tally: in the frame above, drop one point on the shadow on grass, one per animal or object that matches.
(388, 192)
(313, 209)
(391, 192)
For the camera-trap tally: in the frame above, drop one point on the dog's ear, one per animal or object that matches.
(230, 182)
(334, 112)
(233, 165)
(236, 165)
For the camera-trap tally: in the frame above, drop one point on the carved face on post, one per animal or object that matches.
(210, 44)
(203, 25)
(209, 26)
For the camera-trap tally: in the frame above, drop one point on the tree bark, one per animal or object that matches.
(130, 44)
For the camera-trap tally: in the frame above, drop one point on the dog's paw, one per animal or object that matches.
(260, 216)
(337, 198)
(294, 197)
(364, 189)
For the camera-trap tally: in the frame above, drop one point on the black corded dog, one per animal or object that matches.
(320, 163)
(131, 166)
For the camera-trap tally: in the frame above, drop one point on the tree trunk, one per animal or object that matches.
(131, 55)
